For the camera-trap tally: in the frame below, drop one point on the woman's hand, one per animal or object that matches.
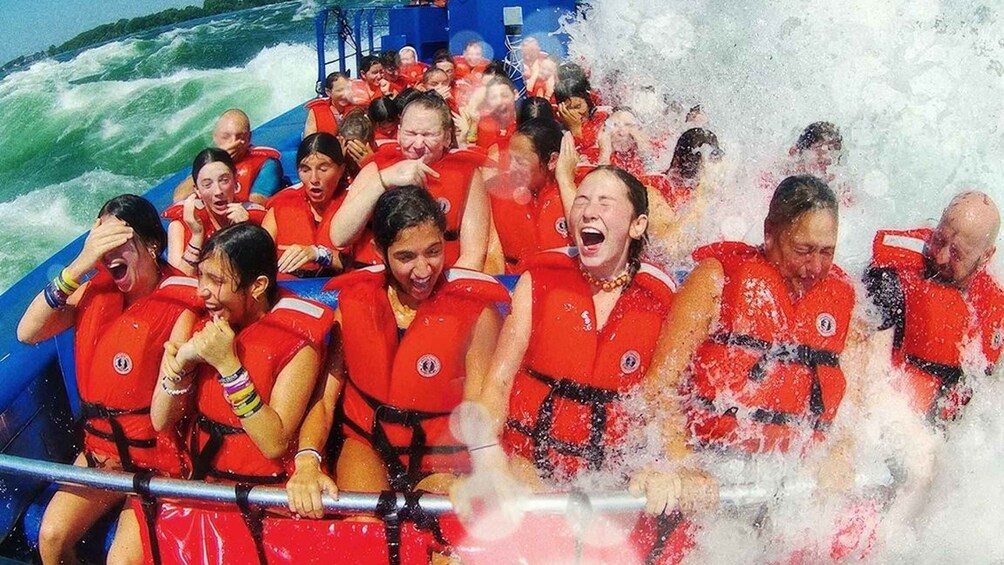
(688, 489)
(237, 213)
(296, 256)
(214, 344)
(190, 218)
(307, 485)
(571, 118)
(103, 237)
(177, 366)
(568, 159)
(407, 172)
(358, 150)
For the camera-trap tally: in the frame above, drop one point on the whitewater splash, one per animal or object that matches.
(120, 117)
(915, 89)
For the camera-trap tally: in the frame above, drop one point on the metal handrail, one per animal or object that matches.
(348, 25)
(364, 503)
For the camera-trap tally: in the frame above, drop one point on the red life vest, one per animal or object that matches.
(462, 70)
(325, 118)
(176, 213)
(220, 448)
(525, 229)
(249, 167)
(940, 322)
(401, 390)
(295, 223)
(563, 410)
(591, 128)
(118, 353)
(413, 73)
(456, 171)
(769, 374)
(491, 133)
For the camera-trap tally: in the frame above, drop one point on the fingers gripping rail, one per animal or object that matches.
(368, 503)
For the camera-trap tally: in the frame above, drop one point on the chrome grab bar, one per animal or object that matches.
(359, 503)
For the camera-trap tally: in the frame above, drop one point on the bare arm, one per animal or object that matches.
(474, 226)
(311, 125)
(479, 353)
(167, 410)
(694, 310)
(564, 172)
(268, 223)
(351, 217)
(40, 322)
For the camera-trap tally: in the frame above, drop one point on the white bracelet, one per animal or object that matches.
(174, 391)
(485, 446)
(311, 451)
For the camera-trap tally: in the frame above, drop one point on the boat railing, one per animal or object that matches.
(354, 33)
(349, 503)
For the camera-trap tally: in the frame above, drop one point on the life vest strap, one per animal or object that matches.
(94, 411)
(596, 398)
(793, 353)
(761, 415)
(202, 457)
(401, 478)
(665, 525)
(149, 505)
(949, 375)
(254, 519)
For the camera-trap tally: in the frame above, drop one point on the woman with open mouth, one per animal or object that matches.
(243, 374)
(584, 325)
(424, 156)
(122, 317)
(299, 217)
(211, 207)
(415, 338)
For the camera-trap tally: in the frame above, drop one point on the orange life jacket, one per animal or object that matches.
(295, 223)
(248, 169)
(413, 73)
(118, 352)
(456, 171)
(525, 229)
(769, 374)
(939, 321)
(402, 387)
(564, 412)
(219, 446)
(176, 213)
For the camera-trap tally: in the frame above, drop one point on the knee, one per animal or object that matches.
(131, 555)
(53, 538)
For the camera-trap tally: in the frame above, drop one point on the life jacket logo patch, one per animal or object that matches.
(444, 204)
(429, 365)
(630, 362)
(122, 363)
(561, 226)
(826, 324)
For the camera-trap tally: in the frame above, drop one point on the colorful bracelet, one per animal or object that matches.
(54, 297)
(250, 407)
(324, 256)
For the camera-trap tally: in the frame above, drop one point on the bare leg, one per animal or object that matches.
(127, 547)
(70, 513)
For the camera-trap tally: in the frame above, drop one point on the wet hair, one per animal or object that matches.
(534, 107)
(434, 102)
(356, 125)
(502, 79)
(816, 133)
(638, 196)
(399, 209)
(366, 63)
(688, 161)
(566, 89)
(382, 110)
(248, 253)
(427, 75)
(544, 135)
(330, 80)
(496, 68)
(141, 216)
(442, 55)
(572, 72)
(323, 143)
(211, 155)
(403, 97)
(390, 58)
(795, 196)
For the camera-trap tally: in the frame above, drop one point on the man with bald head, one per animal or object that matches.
(941, 308)
(259, 173)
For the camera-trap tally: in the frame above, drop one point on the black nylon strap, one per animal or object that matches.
(141, 484)
(254, 519)
(665, 525)
(387, 510)
(94, 411)
(202, 457)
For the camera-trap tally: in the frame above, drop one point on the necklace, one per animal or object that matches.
(606, 285)
(403, 314)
